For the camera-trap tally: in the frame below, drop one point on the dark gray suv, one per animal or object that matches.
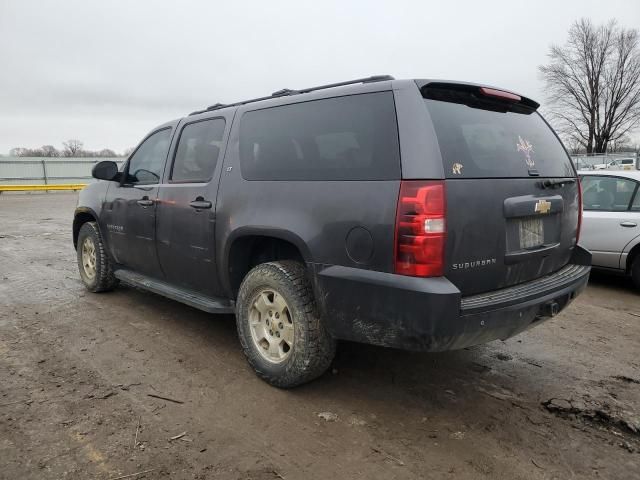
(419, 214)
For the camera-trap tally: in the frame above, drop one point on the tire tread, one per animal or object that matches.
(319, 350)
(635, 272)
(106, 280)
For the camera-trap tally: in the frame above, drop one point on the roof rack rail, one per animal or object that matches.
(286, 91)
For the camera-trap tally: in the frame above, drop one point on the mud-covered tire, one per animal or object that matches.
(313, 348)
(635, 272)
(103, 278)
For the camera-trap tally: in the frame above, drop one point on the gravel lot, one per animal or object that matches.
(78, 370)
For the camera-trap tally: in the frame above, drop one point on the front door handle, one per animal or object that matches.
(628, 224)
(200, 204)
(145, 202)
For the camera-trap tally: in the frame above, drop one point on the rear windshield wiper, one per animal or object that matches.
(556, 182)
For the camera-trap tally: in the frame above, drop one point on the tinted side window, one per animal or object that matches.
(607, 193)
(147, 163)
(198, 150)
(344, 138)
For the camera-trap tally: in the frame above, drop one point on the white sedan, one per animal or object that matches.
(619, 164)
(611, 220)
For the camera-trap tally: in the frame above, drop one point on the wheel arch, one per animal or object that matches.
(632, 255)
(250, 246)
(82, 216)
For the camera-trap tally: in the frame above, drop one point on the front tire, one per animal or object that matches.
(95, 267)
(279, 326)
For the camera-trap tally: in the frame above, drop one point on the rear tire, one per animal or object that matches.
(95, 267)
(635, 272)
(279, 326)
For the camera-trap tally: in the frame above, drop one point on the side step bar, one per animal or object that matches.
(193, 299)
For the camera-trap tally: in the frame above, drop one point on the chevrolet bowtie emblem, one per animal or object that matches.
(542, 206)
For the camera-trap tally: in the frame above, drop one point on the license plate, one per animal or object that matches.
(531, 233)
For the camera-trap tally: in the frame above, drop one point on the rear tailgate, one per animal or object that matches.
(511, 190)
(496, 239)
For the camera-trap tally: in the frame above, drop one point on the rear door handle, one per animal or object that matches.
(628, 224)
(145, 202)
(200, 204)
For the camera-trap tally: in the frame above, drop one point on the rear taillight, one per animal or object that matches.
(579, 211)
(420, 229)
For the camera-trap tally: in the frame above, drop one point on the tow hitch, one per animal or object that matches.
(550, 309)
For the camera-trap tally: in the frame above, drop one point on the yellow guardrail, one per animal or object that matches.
(42, 188)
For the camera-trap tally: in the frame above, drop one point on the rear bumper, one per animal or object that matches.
(430, 314)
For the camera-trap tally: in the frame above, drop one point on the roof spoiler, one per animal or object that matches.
(478, 96)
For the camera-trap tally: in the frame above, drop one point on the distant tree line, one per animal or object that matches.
(70, 148)
(621, 145)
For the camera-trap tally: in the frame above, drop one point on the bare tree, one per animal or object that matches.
(593, 84)
(573, 145)
(49, 151)
(17, 152)
(622, 144)
(72, 148)
(26, 152)
(128, 151)
(105, 152)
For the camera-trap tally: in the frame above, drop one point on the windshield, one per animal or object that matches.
(478, 143)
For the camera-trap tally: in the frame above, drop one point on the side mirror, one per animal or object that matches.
(105, 170)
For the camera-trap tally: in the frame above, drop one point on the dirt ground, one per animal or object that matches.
(78, 370)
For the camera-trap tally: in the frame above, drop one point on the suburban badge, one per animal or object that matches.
(485, 262)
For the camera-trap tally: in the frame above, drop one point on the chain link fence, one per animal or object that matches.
(606, 161)
(48, 171)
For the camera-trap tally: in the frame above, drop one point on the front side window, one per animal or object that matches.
(198, 150)
(610, 194)
(147, 163)
(343, 138)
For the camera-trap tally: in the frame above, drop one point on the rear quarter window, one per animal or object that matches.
(343, 138)
(478, 143)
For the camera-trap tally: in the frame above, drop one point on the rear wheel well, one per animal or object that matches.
(247, 252)
(633, 254)
(79, 220)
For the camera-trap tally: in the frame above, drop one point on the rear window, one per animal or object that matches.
(478, 143)
(343, 138)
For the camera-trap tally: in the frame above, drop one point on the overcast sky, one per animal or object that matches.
(106, 72)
